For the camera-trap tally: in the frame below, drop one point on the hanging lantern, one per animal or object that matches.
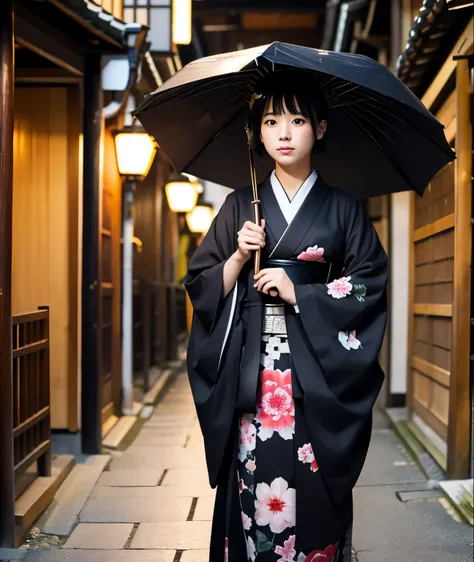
(200, 218)
(135, 152)
(182, 195)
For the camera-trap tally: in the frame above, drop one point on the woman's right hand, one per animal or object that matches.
(250, 237)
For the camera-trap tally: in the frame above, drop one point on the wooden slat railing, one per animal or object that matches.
(31, 392)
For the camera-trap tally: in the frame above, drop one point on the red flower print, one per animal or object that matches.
(326, 555)
(306, 455)
(275, 406)
(312, 254)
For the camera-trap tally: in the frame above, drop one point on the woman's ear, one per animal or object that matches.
(321, 129)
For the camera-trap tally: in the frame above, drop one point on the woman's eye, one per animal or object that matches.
(298, 121)
(270, 122)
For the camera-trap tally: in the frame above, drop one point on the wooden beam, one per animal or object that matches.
(431, 370)
(411, 306)
(460, 392)
(41, 38)
(279, 20)
(463, 46)
(428, 309)
(91, 380)
(442, 224)
(45, 76)
(7, 485)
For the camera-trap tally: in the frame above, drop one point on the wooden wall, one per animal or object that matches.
(432, 290)
(45, 229)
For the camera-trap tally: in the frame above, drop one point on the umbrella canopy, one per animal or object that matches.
(380, 139)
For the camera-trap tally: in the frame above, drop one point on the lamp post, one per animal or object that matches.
(135, 152)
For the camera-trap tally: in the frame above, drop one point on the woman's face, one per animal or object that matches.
(288, 138)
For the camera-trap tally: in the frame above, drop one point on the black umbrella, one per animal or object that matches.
(384, 136)
(380, 139)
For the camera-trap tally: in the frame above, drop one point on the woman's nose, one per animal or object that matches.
(284, 134)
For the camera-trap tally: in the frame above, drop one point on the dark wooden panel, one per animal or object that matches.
(7, 494)
(438, 200)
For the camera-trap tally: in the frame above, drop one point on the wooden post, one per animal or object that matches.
(7, 486)
(91, 382)
(459, 390)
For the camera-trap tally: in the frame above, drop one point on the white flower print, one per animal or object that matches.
(349, 340)
(275, 505)
(340, 288)
(306, 455)
(247, 438)
(246, 521)
(251, 550)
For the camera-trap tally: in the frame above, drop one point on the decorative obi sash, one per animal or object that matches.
(301, 273)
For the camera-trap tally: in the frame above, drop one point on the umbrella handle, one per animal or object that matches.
(256, 218)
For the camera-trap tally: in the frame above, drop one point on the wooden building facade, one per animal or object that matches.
(60, 242)
(439, 364)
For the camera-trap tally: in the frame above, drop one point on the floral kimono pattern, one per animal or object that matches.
(266, 465)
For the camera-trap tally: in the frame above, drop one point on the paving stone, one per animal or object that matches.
(61, 515)
(136, 510)
(127, 477)
(65, 555)
(381, 465)
(204, 509)
(99, 536)
(156, 493)
(154, 438)
(142, 457)
(195, 556)
(173, 536)
(386, 529)
(182, 476)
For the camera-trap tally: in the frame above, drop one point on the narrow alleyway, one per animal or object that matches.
(155, 504)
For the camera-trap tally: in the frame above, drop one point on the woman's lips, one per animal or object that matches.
(285, 150)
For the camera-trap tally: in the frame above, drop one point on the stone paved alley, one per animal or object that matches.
(155, 504)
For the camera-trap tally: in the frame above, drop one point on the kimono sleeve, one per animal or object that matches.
(345, 320)
(204, 279)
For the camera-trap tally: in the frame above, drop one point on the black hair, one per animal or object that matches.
(298, 91)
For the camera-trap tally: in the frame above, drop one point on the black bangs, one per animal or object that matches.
(293, 91)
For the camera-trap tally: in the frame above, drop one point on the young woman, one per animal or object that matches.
(283, 364)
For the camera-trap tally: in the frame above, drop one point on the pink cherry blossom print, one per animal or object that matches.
(326, 555)
(226, 550)
(275, 406)
(275, 505)
(340, 288)
(247, 438)
(250, 466)
(312, 254)
(287, 552)
(251, 550)
(306, 455)
(242, 486)
(349, 340)
(246, 521)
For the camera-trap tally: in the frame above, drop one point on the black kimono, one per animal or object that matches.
(294, 425)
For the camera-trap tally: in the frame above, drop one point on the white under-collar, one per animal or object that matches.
(290, 208)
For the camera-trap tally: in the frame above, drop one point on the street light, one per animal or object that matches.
(135, 151)
(200, 218)
(182, 194)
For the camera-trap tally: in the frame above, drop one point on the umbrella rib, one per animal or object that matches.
(384, 152)
(219, 132)
(380, 119)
